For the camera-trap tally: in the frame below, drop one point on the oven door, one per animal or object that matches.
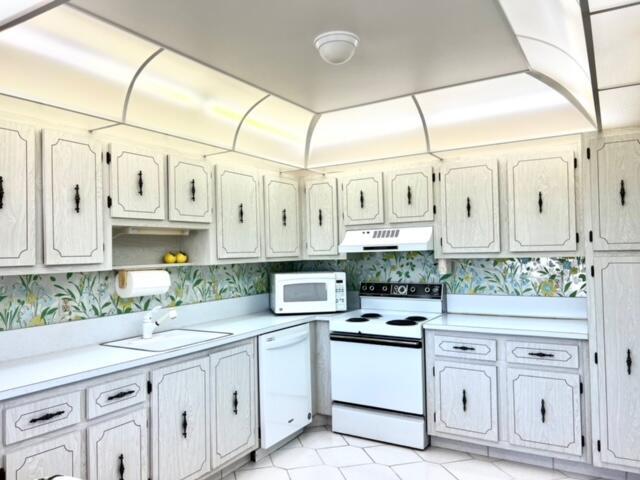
(305, 295)
(377, 372)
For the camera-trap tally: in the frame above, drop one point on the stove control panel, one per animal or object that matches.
(410, 290)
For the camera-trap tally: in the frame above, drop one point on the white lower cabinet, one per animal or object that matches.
(544, 410)
(466, 400)
(180, 408)
(234, 403)
(117, 449)
(59, 456)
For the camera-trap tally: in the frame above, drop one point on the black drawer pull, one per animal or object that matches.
(540, 202)
(284, 217)
(464, 400)
(184, 424)
(543, 410)
(193, 190)
(140, 183)
(623, 193)
(122, 394)
(121, 468)
(241, 214)
(468, 207)
(629, 361)
(47, 416)
(464, 348)
(320, 217)
(361, 199)
(76, 197)
(409, 195)
(235, 402)
(1, 192)
(541, 354)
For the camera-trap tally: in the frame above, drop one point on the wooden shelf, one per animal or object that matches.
(152, 266)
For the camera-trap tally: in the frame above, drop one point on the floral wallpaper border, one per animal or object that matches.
(35, 300)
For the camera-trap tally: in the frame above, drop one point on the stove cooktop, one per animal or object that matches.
(385, 323)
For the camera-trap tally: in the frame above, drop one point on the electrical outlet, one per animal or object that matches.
(64, 311)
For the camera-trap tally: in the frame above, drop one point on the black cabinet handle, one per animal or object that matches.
(468, 207)
(119, 395)
(184, 424)
(629, 361)
(235, 402)
(464, 400)
(408, 195)
(241, 214)
(464, 348)
(540, 354)
(540, 202)
(47, 416)
(140, 183)
(193, 190)
(623, 193)
(543, 410)
(361, 199)
(284, 217)
(1, 193)
(121, 468)
(320, 217)
(77, 197)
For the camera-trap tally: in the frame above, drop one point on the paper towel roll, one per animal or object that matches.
(143, 282)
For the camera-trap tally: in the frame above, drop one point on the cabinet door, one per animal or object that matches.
(59, 456)
(362, 199)
(72, 199)
(470, 207)
(118, 448)
(138, 183)
(409, 195)
(466, 400)
(322, 217)
(234, 403)
(189, 190)
(17, 195)
(282, 217)
(542, 212)
(180, 421)
(544, 410)
(615, 177)
(618, 326)
(237, 213)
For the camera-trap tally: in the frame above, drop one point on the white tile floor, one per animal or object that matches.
(319, 454)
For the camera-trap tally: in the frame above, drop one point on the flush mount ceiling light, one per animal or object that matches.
(336, 47)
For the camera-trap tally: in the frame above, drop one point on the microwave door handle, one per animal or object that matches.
(287, 341)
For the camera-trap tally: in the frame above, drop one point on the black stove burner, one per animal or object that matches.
(357, 319)
(371, 315)
(402, 323)
(416, 318)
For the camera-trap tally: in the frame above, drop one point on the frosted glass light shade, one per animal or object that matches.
(336, 47)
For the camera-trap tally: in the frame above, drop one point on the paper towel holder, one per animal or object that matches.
(122, 279)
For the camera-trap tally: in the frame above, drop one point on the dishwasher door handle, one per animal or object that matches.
(274, 343)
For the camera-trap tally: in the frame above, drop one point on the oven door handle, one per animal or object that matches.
(386, 341)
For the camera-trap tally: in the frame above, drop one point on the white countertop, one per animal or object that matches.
(42, 372)
(576, 329)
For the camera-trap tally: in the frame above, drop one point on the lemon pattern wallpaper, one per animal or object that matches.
(35, 300)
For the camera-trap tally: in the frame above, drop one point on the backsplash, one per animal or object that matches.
(35, 300)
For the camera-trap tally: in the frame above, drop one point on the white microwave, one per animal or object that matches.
(310, 292)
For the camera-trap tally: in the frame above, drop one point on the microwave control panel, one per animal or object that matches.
(341, 292)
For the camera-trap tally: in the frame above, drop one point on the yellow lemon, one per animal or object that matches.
(182, 257)
(169, 257)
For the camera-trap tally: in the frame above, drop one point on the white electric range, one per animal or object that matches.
(377, 363)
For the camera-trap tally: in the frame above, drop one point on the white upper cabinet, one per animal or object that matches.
(72, 199)
(363, 199)
(409, 195)
(237, 207)
(17, 195)
(189, 190)
(615, 177)
(542, 211)
(138, 183)
(282, 222)
(470, 207)
(321, 217)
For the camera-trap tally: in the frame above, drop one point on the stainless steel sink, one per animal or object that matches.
(165, 341)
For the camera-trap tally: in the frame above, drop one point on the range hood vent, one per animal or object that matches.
(388, 240)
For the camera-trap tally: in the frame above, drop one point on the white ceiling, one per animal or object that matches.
(406, 46)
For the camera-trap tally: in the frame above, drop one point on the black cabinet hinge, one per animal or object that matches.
(593, 271)
(3, 474)
(434, 209)
(588, 153)
(582, 441)
(149, 387)
(581, 388)
(433, 176)
(575, 162)
(440, 241)
(434, 416)
(433, 371)
(577, 237)
(598, 445)
(108, 158)
(439, 177)
(595, 357)
(591, 236)
(109, 201)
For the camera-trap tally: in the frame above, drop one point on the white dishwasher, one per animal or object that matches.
(285, 383)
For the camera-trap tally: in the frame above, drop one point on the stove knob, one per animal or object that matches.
(371, 287)
(427, 289)
(385, 288)
(412, 289)
(402, 289)
(363, 287)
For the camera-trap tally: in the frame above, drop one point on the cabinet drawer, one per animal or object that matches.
(548, 354)
(465, 347)
(115, 395)
(36, 418)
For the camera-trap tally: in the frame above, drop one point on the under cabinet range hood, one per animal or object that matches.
(388, 240)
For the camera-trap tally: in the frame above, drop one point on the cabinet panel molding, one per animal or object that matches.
(409, 195)
(189, 190)
(282, 218)
(363, 199)
(321, 217)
